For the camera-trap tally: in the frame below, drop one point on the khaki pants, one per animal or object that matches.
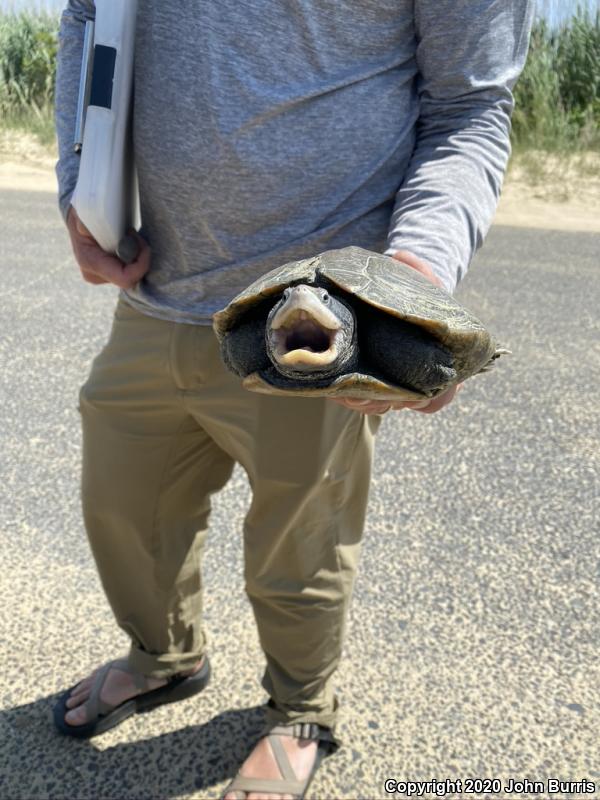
(163, 423)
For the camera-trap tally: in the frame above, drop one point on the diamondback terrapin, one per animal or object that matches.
(354, 323)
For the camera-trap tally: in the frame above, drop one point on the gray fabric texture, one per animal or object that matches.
(270, 131)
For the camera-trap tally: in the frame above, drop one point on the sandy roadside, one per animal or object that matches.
(520, 207)
(551, 192)
(560, 196)
(25, 164)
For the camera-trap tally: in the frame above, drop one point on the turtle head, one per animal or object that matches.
(311, 334)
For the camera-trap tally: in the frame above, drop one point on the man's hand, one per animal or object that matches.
(96, 265)
(424, 406)
(381, 406)
(416, 263)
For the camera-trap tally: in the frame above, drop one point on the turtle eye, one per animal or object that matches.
(325, 297)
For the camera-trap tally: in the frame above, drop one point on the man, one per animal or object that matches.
(265, 132)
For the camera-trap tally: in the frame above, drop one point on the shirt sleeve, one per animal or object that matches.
(469, 55)
(70, 52)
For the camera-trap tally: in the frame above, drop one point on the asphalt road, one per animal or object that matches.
(472, 646)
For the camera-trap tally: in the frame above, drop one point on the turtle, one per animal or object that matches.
(353, 323)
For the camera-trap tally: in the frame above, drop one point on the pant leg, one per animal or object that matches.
(148, 472)
(300, 576)
(309, 462)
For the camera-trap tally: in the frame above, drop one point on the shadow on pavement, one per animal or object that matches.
(184, 762)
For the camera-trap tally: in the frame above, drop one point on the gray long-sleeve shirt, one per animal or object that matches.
(266, 131)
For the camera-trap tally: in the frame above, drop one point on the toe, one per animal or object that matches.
(76, 716)
(76, 700)
(81, 687)
(78, 696)
(270, 796)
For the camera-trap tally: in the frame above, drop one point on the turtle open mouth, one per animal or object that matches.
(303, 343)
(307, 335)
(304, 332)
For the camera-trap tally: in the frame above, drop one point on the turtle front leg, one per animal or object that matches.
(407, 355)
(243, 350)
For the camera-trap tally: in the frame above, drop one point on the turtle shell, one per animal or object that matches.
(384, 284)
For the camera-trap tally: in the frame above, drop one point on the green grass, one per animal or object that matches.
(558, 95)
(40, 124)
(28, 45)
(557, 98)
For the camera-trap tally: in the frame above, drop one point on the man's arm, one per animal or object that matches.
(96, 266)
(70, 51)
(469, 55)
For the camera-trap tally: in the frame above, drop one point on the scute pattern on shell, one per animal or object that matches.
(396, 288)
(272, 283)
(385, 284)
(355, 384)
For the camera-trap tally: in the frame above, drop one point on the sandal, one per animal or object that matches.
(106, 716)
(289, 783)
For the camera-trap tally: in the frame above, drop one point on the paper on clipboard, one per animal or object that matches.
(106, 196)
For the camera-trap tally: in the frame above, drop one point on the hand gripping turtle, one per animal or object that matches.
(351, 323)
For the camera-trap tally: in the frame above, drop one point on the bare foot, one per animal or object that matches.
(117, 688)
(261, 763)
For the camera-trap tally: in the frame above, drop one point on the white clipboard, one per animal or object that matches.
(106, 196)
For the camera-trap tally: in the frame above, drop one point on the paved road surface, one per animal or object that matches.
(472, 648)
